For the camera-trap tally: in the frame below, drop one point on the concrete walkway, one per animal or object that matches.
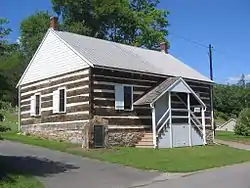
(61, 170)
(234, 144)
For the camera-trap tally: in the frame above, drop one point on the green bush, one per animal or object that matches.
(243, 124)
(3, 128)
(5, 105)
(222, 115)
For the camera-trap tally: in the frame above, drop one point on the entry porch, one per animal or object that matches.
(178, 114)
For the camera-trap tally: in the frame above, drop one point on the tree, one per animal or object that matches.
(3, 33)
(229, 99)
(11, 67)
(133, 22)
(32, 31)
(242, 81)
(4, 49)
(243, 124)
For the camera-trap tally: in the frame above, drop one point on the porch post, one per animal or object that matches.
(189, 119)
(154, 127)
(170, 120)
(203, 125)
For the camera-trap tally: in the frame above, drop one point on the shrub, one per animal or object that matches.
(2, 128)
(243, 123)
(222, 115)
(5, 105)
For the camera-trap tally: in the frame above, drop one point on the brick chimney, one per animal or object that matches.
(54, 22)
(163, 47)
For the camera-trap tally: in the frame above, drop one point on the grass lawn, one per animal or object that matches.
(11, 120)
(167, 160)
(230, 136)
(15, 181)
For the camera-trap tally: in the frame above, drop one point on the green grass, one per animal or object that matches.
(174, 160)
(11, 120)
(170, 160)
(18, 181)
(167, 160)
(230, 136)
(54, 145)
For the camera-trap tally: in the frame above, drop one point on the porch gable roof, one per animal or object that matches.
(152, 96)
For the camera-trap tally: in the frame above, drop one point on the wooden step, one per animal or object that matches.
(145, 142)
(147, 139)
(148, 133)
(141, 146)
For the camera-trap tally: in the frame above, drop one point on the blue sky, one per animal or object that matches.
(225, 24)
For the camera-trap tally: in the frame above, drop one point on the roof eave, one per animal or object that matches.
(208, 81)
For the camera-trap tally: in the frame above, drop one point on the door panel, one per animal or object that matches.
(180, 135)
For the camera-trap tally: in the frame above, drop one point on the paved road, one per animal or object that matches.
(236, 176)
(234, 144)
(61, 170)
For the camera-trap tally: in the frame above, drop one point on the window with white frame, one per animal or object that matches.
(35, 105)
(123, 97)
(59, 100)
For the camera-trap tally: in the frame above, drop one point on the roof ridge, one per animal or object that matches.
(109, 41)
(101, 52)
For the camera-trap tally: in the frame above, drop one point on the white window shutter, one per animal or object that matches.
(56, 101)
(119, 97)
(32, 105)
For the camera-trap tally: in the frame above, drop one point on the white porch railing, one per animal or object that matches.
(166, 119)
(194, 118)
(163, 116)
(162, 126)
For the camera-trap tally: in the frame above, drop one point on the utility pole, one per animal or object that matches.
(212, 90)
(211, 62)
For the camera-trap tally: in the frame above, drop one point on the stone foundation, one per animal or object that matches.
(209, 136)
(61, 132)
(78, 133)
(124, 137)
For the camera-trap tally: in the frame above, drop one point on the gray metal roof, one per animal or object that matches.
(110, 54)
(156, 92)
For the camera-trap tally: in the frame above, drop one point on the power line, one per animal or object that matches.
(204, 46)
(189, 40)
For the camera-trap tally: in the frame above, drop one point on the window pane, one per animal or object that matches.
(37, 104)
(62, 100)
(127, 97)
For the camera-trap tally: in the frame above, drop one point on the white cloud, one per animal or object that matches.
(233, 80)
(18, 40)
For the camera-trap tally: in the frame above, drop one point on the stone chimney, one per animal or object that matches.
(54, 22)
(163, 47)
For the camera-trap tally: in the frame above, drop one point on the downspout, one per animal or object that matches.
(203, 125)
(189, 120)
(170, 120)
(153, 126)
(19, 109)
(212, 111)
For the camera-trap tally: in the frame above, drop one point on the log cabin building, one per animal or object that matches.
(149, 98)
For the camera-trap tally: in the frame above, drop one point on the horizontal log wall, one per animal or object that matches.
(104, 96)
(77, 106)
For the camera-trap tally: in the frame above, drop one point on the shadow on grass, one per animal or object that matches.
(29, 166)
